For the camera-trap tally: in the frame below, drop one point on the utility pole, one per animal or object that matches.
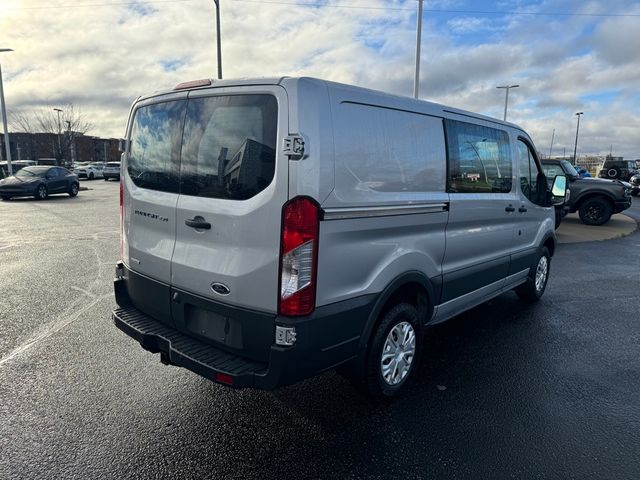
(553, 134)
(59, 110)
(7, 146)
(219, 45)
(506, 98)
(416, 80)
(575, 148)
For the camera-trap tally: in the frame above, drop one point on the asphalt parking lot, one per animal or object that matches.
(504, 391)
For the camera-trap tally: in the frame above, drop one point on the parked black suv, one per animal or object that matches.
(618, 169)
(595, 199)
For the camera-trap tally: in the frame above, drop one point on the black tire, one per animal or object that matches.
(373, 379)
(5, 198)
(531, 291)
(612, 173)
(106, 179)
(91, 175)
(595, 211)
(41, 192)
(73, 189)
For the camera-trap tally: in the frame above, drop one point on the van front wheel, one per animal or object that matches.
(394, 352)
(533, 289)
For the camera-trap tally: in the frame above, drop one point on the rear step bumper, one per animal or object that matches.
(326, 338)
(179, 349)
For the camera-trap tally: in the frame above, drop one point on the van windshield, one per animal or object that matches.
(217, 147)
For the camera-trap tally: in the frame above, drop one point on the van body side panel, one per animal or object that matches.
(388, 211)
(363, 256)
(310, 116)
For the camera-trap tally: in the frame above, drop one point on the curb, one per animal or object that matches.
(572, 230)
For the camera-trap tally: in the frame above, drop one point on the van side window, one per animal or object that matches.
(529, 175)
(229, 146)
(479, 158)
(154, 158)
(386, 150)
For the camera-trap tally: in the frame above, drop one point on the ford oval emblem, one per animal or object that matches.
(220, 289)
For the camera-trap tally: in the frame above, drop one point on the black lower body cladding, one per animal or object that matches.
(249, 357)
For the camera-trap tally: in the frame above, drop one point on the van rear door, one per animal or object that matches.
(150, 194)
(234, 182)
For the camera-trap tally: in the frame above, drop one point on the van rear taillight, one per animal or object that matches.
(299, 257)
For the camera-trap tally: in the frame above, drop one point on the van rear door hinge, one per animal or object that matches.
(293, 145)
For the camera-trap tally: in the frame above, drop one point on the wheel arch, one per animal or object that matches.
(593, 194)
(413, 287)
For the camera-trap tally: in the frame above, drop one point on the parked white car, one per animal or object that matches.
(90, 171)
(111, 170)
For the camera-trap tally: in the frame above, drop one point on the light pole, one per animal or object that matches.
(506, 97)
(217, 2)
(416, 80)
(7, 147)
(59, 110)
(575, 148)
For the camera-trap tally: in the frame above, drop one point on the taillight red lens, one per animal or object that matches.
(299, 257)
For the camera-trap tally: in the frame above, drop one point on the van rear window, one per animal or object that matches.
(229, 146)
(156, 134)
(216, 147)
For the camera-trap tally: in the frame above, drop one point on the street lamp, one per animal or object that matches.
(217, 2)
(575, 148)
(416, 80)
(4, 118)
(59, 110)
(506, 98)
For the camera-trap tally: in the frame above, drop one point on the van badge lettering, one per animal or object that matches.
(220, 289)
(153, 216)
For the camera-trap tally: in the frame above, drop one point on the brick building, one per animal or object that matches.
(66, 147)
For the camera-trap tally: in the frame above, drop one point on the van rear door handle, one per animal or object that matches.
(510, 208)
(522, 209)
(198, 223)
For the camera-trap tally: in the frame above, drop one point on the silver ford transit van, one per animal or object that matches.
(273, 229)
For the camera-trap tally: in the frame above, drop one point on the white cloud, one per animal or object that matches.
(102, 58)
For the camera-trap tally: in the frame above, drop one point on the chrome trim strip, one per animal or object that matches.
(341, 213)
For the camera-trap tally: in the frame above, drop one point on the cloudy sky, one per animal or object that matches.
(567, 56)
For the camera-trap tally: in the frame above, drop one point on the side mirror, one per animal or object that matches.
(559, 190)
(123, 145)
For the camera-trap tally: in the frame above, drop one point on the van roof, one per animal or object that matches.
(233, 82)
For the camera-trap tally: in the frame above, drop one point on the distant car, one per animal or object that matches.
(635, 184)
(595, 199)
(90, 171)
(16, 165)
(618, 169)
(39, 182)
(111, 170)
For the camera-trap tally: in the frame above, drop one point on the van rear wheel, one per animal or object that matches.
(394, 352)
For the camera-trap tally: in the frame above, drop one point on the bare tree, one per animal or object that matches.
(66, 125)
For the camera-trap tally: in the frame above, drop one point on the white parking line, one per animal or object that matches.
(56, 327)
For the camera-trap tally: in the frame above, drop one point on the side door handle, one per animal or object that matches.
(510, 208)
(198, 223)
(522, 209)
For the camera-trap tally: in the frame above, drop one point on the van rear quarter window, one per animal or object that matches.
(479, 158)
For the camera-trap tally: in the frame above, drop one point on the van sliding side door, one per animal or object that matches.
(483, 203)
